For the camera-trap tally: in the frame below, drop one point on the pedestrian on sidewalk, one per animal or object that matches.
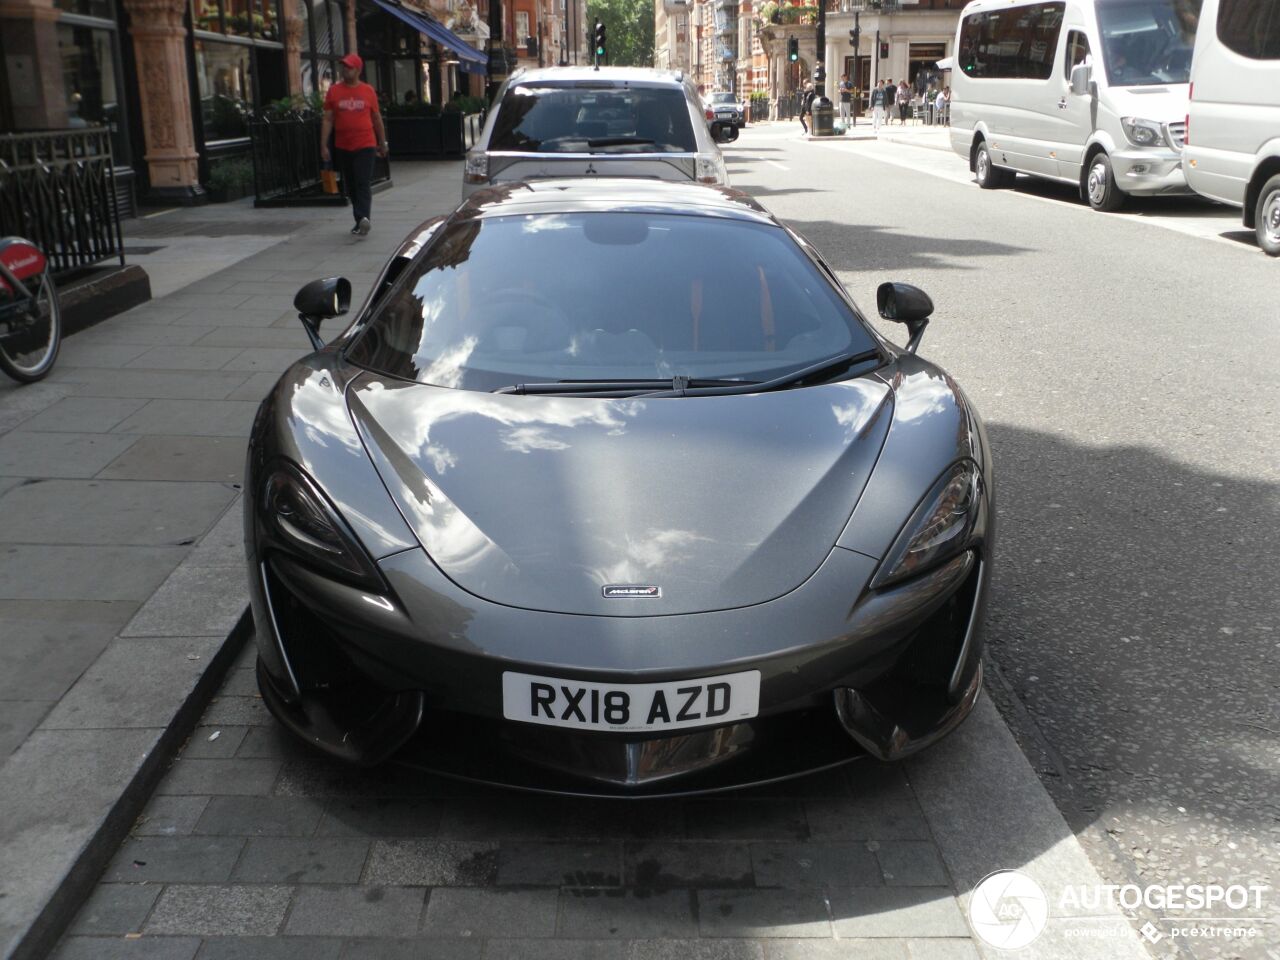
(351, 114)
(806, 105)
(904, 102)
(877, 108)
(846, 97)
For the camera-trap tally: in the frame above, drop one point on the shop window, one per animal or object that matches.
(223, 73)
(103, 9)
(255, 19)
(88, 56)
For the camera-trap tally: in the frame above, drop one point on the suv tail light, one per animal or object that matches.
(477, 170)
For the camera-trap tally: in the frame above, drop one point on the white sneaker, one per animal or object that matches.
(364, 226)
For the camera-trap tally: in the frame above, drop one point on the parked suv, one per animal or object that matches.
(611, 122)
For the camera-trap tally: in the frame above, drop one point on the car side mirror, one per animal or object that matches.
(904, 303)
(1081, 74)
(320, 300)
(723, 132)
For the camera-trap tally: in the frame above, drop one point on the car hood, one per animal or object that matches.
(542, 502)
(1165, 103)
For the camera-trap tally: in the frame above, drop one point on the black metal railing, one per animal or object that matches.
(758, 110)
(789, 105)
(286, 161)
(57, 189)
(286, 158)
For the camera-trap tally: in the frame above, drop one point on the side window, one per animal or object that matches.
(1251, 28)
(1013, 43)
(1077, 50)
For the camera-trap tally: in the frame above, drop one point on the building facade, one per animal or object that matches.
(177, 81)
(741, 45)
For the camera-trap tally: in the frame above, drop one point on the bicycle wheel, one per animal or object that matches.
(30, 334)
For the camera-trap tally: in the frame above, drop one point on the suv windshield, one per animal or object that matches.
(578, 119)
(1148, 42)
(606, 296)
(722, 98)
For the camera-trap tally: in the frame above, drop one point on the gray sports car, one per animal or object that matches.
(609, 488)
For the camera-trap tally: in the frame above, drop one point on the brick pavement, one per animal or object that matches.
(256, 846)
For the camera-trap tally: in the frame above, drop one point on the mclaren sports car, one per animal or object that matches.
(610, 488)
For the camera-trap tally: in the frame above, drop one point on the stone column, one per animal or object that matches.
(32, 68)
(352, 44)
(293, 26)
(160, 50)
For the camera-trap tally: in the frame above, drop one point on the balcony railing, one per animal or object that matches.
(57, 189)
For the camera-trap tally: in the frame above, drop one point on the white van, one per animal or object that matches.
(1234, 153)
(1089, 92)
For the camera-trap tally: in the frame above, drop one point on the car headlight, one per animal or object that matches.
(941, 527)
(477, 170)
(301, 520)
(1142, 133)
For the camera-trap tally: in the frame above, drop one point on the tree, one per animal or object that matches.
(629, 28)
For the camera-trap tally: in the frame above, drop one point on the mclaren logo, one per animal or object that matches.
(630, 591)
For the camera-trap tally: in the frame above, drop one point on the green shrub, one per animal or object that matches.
(235, 173)
(466, 105)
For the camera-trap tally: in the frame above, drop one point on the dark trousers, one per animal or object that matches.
(356, 167)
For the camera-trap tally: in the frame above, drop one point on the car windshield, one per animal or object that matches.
(578, 119)
(722, 98)
(608, 296)
(1147, 42)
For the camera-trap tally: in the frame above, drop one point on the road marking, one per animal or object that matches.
(775, 163)
(1201, 219)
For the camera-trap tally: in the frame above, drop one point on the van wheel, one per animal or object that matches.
(1100, 185)
(1267, 217)
(988, 175)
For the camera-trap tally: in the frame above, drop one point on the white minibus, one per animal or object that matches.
(1233, 144)
(1089, 92)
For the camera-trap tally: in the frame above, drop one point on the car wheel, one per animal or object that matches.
(1266, 217)
(989, 176)
(1100, 185)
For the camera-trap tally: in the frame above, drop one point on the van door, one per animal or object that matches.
(1075, 111)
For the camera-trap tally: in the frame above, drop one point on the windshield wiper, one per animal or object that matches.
(667, 387)
(821, 370)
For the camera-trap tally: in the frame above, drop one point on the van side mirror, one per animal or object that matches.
(905, 303)
(723, 132)
(1081, 74)
(320, 300)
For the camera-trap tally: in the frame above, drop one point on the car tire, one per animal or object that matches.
(1100, 184)
(1266, 217)
(988, 175)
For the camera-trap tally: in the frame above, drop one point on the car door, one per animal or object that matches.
(1074, 122)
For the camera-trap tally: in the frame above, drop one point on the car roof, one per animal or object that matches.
(612, 194)
(610, 76)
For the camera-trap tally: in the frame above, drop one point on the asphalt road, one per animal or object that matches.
(1125, 366)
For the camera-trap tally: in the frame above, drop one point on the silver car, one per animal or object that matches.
(611, 122)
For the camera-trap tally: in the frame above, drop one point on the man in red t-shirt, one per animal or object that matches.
(351, 115)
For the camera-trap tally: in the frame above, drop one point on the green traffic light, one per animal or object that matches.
(599, 51)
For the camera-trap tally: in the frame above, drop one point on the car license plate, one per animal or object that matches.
(631, 706)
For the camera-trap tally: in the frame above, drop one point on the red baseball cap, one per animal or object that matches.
(352, 60)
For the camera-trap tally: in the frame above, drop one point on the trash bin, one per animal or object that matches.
(823, 118)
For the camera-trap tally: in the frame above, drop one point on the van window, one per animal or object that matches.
(1147, 42)
(1013, 43)
(1251, 28)
(1077, 51)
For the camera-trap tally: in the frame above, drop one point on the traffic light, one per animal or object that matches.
(884, 49)
(793, 49)
(600, 41)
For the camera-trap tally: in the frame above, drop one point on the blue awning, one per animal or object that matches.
(470, 60)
